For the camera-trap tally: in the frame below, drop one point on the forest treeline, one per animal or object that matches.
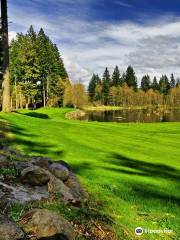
(123, 90)
(38, 78)
(37, 73)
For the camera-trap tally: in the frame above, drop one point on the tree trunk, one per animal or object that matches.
(16, 95)
(44, 95)
(47, 91)
(5, 67)
(21, 100)
(26, 104)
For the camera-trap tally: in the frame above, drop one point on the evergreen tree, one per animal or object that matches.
(106, 82)
(95, 81)
(51, 68)
(155, 85)
(44, 60)
(173, 81)
(92, 87)
(123, 79)
(98, 80)
(116, 77)
(35, 59)
(164, 84)
(145, 83)
(131, 79)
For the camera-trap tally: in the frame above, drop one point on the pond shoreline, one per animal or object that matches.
(126, 115)
(111, 108)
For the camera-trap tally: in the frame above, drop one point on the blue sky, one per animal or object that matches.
(93, 34)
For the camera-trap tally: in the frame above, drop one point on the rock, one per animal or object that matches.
(65, 164)
(59, 171)
(34, 176)
(56, 186)
(48, 225)
(21, 194)
(4, 163)
(75, 187)
(41, 162)
(21, 165)
(9, 230)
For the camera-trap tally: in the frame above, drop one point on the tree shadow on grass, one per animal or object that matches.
(142, 168)
(81, 168)
(34, 115)
(29, 146)
(132, 167)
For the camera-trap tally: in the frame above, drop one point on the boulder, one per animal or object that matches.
(76, 188)
(4, 162)
(9, 230)
(59, 171)
(21, 194)
(45, 224)
(56, 186)
(21, 165)
(34, 176)
(41, 162)
(65, 164)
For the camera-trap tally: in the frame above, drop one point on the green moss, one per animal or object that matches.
(9, 171)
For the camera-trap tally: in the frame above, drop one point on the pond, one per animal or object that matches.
(126, 115)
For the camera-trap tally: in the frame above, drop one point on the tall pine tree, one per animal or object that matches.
(35, 59)
(95, 81)
(131, 79)
(172, 81)
(106, 82)
(155, 84)
(164, 84)
(92, 87)
(116, 77)
(145, 83)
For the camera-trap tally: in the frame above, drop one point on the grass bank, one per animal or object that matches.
(133, 170)
(111, 108)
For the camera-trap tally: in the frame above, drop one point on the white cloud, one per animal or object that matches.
(152, 48)
(123, 4)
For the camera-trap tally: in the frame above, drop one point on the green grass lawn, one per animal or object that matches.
(133, 170)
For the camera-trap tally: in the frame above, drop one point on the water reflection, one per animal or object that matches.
(143, 115)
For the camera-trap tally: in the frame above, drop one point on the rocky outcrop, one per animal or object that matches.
(46, 224)
(20, 194)
(38, 178)
(33, 179)
(34, 176)
(59, 171)
(9, 230)
(75, 187)
(56, 186)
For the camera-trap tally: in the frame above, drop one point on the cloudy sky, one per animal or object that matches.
(93, 34)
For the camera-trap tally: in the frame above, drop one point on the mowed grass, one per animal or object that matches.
(132, 170)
